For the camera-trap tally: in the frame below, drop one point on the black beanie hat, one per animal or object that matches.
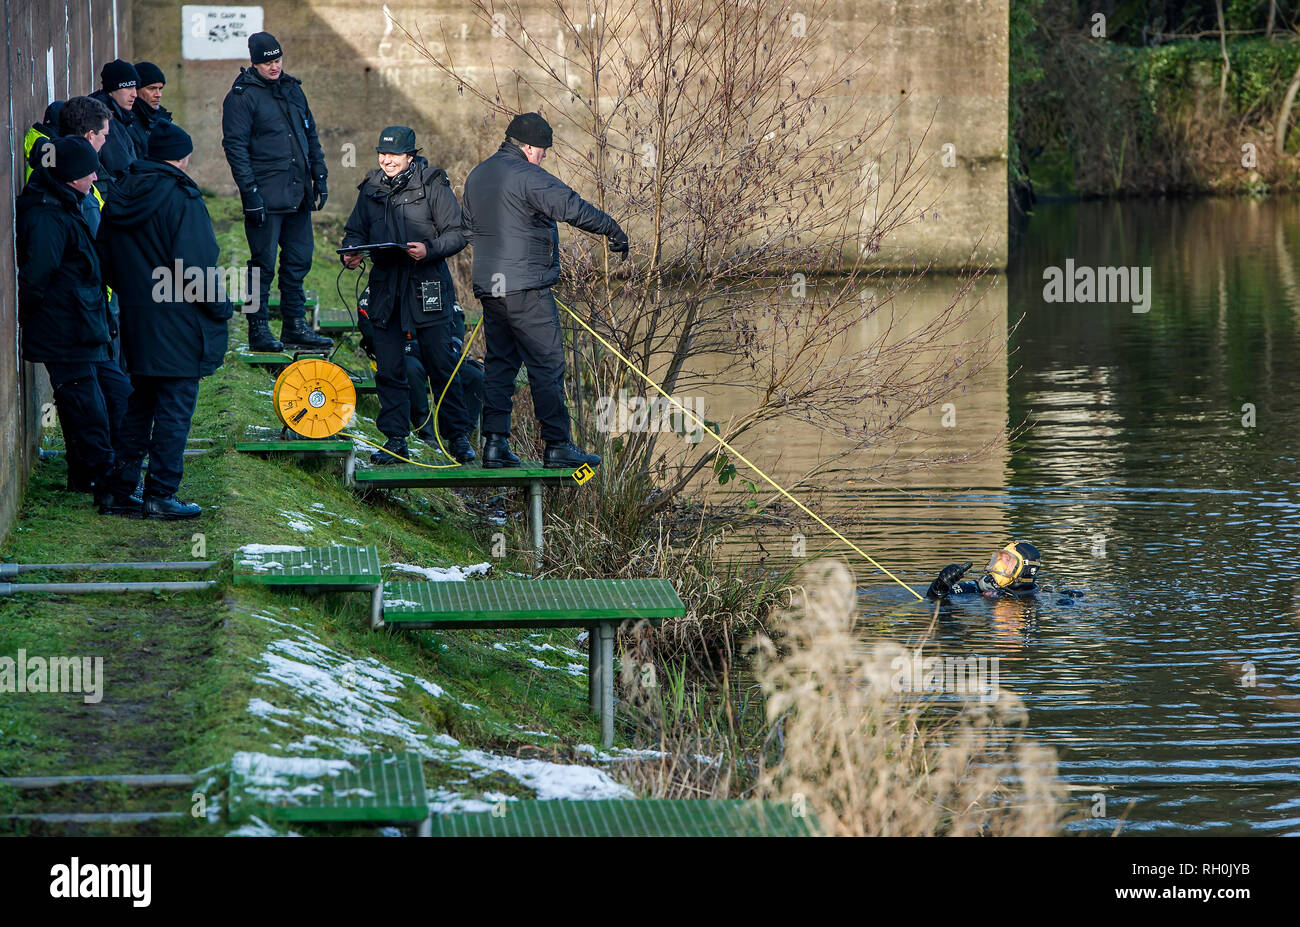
(531, 129)
(169, 142)
(149, 73)
(263, 47)
(118, 75)
(74, 158)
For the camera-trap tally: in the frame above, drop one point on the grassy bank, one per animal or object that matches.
(190, 679)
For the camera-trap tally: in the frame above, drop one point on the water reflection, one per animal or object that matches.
(1159, 476)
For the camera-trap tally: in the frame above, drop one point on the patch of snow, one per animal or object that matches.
(256, 827)
(442, 574)
(270, 549)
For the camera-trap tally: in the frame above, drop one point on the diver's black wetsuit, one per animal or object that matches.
(971, 586)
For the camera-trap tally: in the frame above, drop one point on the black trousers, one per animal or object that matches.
(157, 423)
(291, 233)
(470, 377)
(433, 346)
(524, 327)
(82, 394)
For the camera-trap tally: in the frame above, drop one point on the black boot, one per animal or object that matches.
(462, 450)
(496, 453)
(112, 504)
(392, 448)
(260, 339)
(169, 508)
(564, 455)
(295, 334)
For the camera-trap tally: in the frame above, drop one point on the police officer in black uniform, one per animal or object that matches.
(269, 135)
(120, 83)
(148, 109)
(63, 314)
(408, 201)
(511, 208)
(173, 332)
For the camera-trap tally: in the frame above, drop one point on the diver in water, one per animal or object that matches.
(1012, 572)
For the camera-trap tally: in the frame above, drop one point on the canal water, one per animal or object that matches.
(1157, 471)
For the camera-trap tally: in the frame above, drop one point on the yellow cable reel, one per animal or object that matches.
(314, 398)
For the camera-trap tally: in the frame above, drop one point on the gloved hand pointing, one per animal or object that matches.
(948, 577)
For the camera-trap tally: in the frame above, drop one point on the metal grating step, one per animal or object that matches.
(530, 603)
(402, 475)
(333, 320)
(631, 818)
(327, 446)
(367, 788)
(339, 567)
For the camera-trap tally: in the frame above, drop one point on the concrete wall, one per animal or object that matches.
(54, 49)
(943, 63)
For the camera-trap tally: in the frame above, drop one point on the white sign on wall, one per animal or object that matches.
(216, 33)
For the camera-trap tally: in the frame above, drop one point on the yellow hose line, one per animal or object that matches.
(433, 412)
(703, 427)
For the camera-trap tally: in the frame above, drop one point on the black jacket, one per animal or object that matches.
(417, 205)
(269, 135)
(146, 117)
(62, 314)
(157, 219)
(119, 148)
(511, 209)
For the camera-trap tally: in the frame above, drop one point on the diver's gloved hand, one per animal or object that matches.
(948, 577)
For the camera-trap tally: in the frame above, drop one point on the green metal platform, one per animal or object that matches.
(333, 320)
(329, 447)
(598, 604)
(529, 603)
(271, 359)
(376, 788)
(310, 299)
(408, 475)
(532, 474)
(630, 818)
(316, 569)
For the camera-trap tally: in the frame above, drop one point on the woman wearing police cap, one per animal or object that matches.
(406, 200)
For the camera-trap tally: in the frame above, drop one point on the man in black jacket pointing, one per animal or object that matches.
(511, 207)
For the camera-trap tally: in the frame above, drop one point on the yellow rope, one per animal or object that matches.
(433, 412)
(702, 426)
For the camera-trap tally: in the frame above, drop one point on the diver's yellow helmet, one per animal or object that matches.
(1018, 562)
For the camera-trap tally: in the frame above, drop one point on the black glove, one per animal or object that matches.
(368, 346)
(618, 242)
(321, 192)
(948, 577)
(254, 207)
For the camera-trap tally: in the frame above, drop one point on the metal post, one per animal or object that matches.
(535, 500)
(377, 607)
(607, 684)
(593, 669)
(350, 467)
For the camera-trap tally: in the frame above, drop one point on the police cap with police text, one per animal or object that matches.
(396, 140)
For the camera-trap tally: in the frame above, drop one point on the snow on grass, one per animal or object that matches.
(256, 827)
(345, 705)
(443, 574)
(270, 549)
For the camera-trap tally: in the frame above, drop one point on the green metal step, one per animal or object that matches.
(341, 568)
(367, 788)
(327, 446)
(334, 320)
(397, 475)
(630, 818)
(528, 603)
(270, 359)
(310, 299)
